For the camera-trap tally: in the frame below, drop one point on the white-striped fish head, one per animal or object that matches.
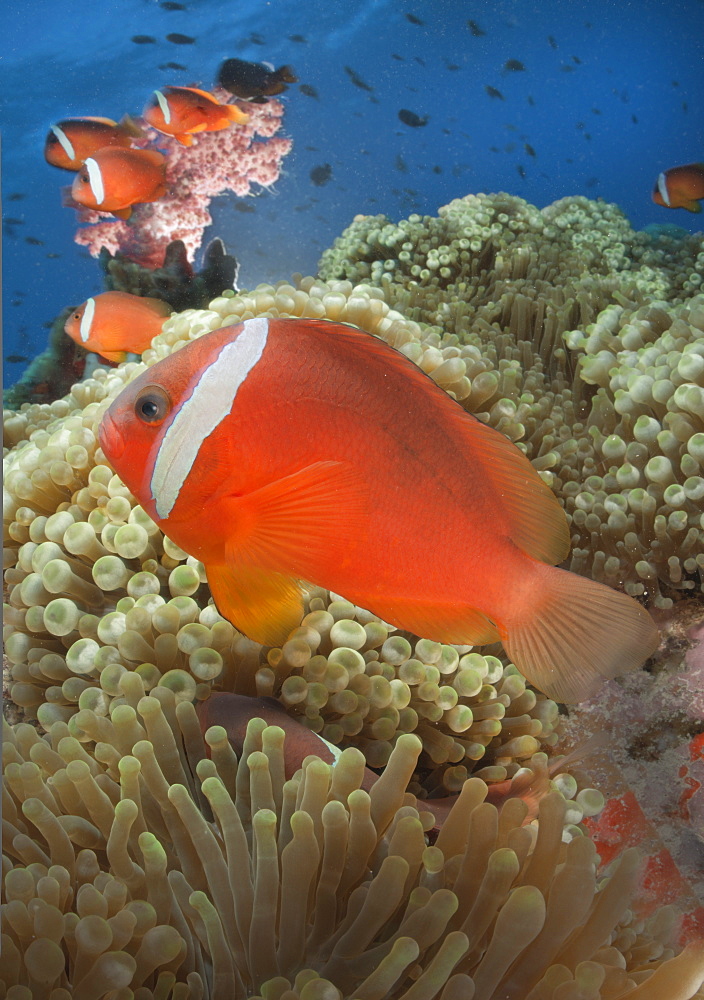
(88, 187)
(175, 435)
(79, 324)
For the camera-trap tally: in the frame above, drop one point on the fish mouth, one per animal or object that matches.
(110, 438)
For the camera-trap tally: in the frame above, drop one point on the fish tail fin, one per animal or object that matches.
(575, 634)
(131, 127)
(235, 114)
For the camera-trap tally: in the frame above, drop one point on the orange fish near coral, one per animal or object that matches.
(680, 187)
(115, 324)
(281, 450)
(112, 180)
(73, 140)
(181, 111)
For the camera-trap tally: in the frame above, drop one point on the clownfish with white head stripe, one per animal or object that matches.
(72, 140)
(114, 179)
(680, 187)
(183, 111)
(281, 450)
(116, 324)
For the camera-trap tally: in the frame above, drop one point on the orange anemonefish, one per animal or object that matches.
(181, 111)
(115, 324)
(280, 450)
(113, 179)
(680, 187)
(73, 140)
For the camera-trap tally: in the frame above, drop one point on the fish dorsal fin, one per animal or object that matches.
(210, 98)
(296, 523)
(153, 157)
(533, 517)
(537, 524)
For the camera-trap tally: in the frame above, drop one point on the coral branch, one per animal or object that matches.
(233, 160)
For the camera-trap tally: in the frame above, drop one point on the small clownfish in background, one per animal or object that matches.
(115, 324)
(254, 81)
(114, 179)
(280, 450)
(182, 111)
(73, 140)
(680, 187)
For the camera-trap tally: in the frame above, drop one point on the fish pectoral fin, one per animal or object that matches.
(265, 606)
(304, 523)
(440, 622)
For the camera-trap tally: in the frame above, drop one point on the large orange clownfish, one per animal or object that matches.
(183, 111)
(680, 187)
(115, 324)
(113, 180)
(281, 450)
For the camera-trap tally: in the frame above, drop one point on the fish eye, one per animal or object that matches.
(152, 405)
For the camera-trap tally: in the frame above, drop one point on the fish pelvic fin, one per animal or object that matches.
(576, 634)
(185, 138)
(265, 606)
(692, 206)
(122, 213)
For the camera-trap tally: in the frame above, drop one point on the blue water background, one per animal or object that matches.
(603, 126)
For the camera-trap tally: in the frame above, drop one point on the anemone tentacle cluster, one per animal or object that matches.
(152, 868)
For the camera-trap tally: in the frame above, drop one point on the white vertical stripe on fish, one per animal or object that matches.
(87, 319)
(65, 142)
(164, 105)
(95, 179)
(207, 406)
(662, 188)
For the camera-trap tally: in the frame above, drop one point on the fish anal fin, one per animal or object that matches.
(302, 524)
(440, 622)
(265, 606)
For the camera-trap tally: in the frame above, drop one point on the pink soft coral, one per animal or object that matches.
(234, 160)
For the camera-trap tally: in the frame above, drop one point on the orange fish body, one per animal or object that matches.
(113, 179)
(282, 450)
(183, 111)
(680, 187)
(73, 140)
(115, 324)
